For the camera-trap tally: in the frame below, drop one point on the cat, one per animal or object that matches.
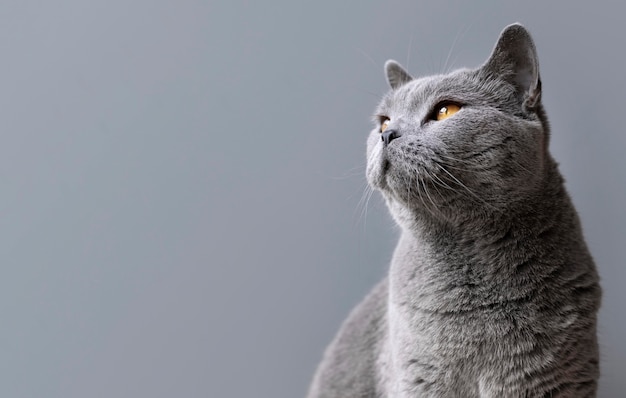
(491, 290)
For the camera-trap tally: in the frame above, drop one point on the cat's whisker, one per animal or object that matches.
(419, 194)
(445, 65)
(452, 63)
(435, 207)
(423, 192)
(368, 196)
(472, 193)
(368, 57)
(471, 165)
(360, 211)
(521, 166)
(475, 168)
(435, 183)
(481, 200)
(441, 183)
(367, 202)
(361, 208)
(352, 172)
(460, 33)
(408, 52)
(465, 161)
(467, 169)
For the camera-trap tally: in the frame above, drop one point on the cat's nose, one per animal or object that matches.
(389, 135)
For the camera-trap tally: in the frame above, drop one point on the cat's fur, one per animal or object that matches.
(491, 291)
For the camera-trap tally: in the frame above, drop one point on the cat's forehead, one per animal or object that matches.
(458, 85)
(422, 88)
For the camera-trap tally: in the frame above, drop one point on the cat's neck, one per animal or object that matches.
(496, 252)
(521, 217)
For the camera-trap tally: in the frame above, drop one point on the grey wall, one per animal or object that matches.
(181, 181)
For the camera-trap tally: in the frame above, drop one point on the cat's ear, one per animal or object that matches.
(396, 75)
(515, 60)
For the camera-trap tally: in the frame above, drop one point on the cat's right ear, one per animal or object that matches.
(396, 75)
(515, 60)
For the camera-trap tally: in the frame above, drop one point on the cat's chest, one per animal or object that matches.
(447, 333)
(450, 353)
(452, 314)
(444, 324)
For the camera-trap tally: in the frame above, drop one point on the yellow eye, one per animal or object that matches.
(384, 124)
(446, 110)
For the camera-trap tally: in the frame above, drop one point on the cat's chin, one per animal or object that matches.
(383, 176)
(377, 167)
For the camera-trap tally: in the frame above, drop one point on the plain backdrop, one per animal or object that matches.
(181, 181)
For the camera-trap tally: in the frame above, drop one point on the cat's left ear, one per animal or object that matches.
(396, 75)
(515, 60)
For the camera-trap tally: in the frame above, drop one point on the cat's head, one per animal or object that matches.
(472, 140)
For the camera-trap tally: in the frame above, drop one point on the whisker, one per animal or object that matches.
(445, 64)
(518, 164)
(481, 200)
(441, 183)
(419, 194)
(368, 191)
(435, 208)
(461, 184)
(368, 57)
(368, 195)
(408, 53)
(456, 159)
(352, 172)
(362, 205)
(435, 183)
(465, 169)
(460, 33)
(483, 167)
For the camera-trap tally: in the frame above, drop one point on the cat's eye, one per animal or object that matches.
(384, 123)
(445, 110)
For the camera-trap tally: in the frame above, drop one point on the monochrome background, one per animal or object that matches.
(182, 181)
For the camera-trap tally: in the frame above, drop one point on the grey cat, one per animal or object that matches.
(491, 290)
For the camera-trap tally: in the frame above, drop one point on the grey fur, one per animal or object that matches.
(491, 290)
